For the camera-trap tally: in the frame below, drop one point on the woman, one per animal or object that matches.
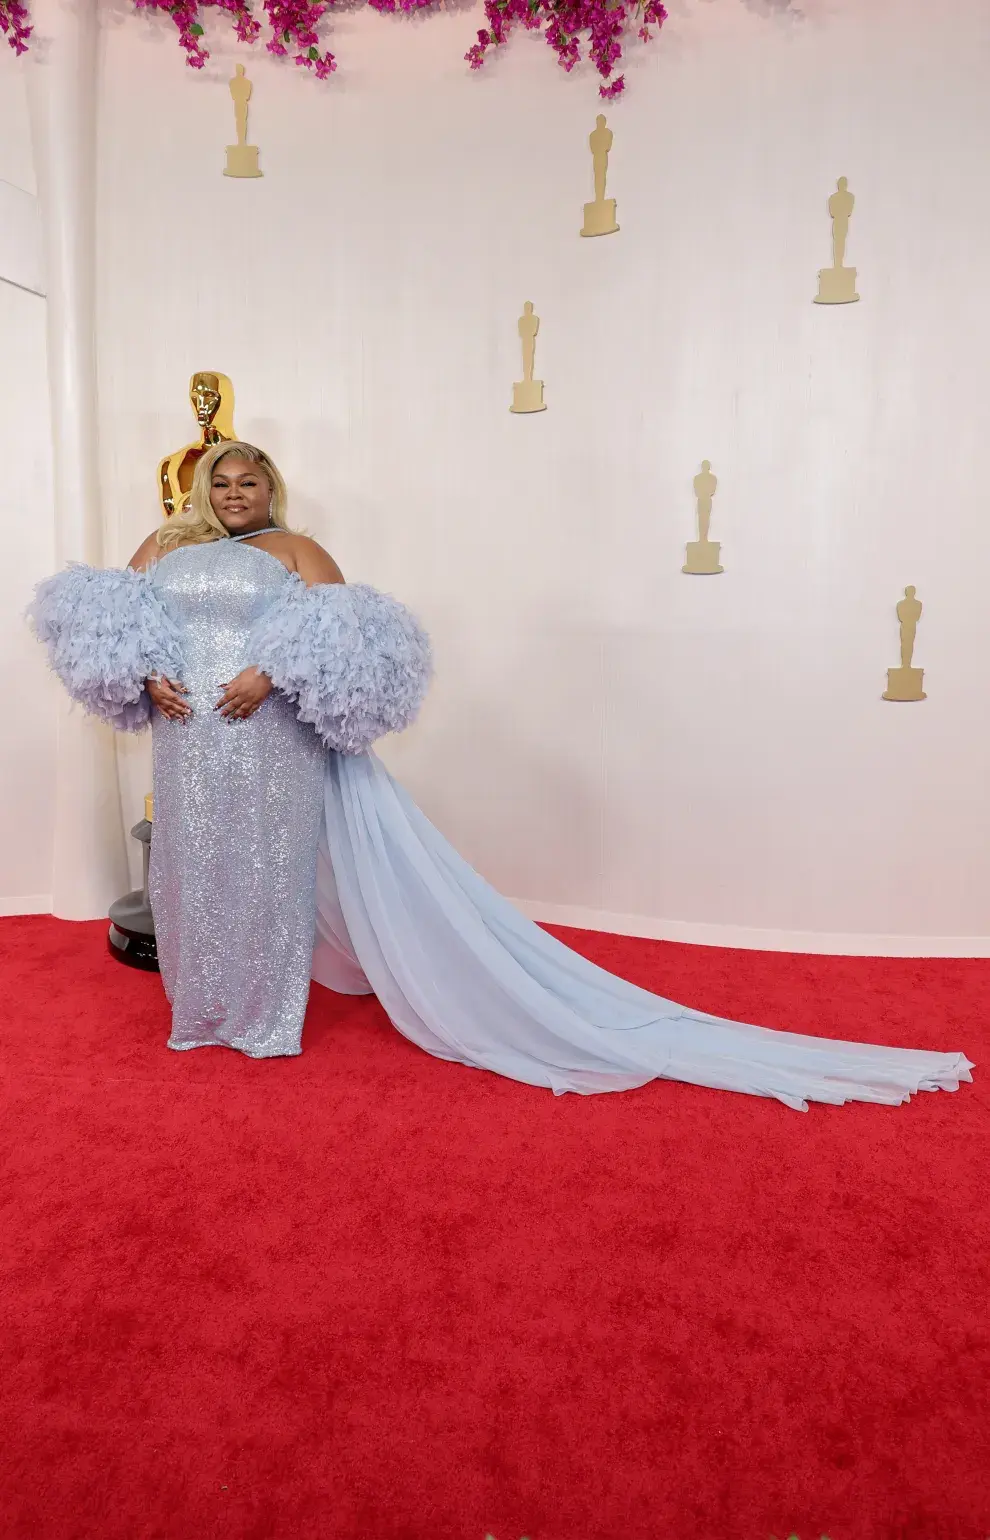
(266, 679)
(237, 812)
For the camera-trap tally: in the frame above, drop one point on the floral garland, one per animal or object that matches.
(562, 22)
(292, 26)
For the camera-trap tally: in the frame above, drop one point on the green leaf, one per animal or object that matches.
(313, 53)
(196, 29)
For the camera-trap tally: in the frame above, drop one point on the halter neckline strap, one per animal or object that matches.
(269, 529)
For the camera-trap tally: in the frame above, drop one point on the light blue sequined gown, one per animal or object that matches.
(237, 816)
(261, 833)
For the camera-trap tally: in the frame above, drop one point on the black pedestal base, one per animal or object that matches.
(135, 948)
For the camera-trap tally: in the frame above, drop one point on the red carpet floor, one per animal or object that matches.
(364, 1295)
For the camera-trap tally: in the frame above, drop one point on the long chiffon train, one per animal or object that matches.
(238, 871)
(468, 978)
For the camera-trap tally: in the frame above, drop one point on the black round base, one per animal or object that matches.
(133, 948)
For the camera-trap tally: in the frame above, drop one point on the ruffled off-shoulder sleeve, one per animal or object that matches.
(355, 661)
(106, 632)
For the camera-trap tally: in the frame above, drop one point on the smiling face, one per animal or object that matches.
(240, 495)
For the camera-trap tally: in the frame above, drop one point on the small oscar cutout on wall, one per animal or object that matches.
(599, 217)
(527, 393)
(703, 554)
(242, 158)
(837, 284)
(905, 683)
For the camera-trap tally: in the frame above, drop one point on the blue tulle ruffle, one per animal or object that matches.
(106, 632)
(356, 662)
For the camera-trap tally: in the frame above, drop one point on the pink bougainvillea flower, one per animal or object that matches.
(14, 22)
(564, 23)
(292, 28)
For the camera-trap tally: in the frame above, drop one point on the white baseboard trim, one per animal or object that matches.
(734, 937)
(33, 903)
(744, 938)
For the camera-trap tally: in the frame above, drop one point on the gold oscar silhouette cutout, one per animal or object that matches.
(837, 284)
(212, 398)
(905, 683)
(242, 158)
(703, 554)
(599, 217)
(527, 393)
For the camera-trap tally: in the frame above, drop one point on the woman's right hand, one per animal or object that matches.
(167, 695)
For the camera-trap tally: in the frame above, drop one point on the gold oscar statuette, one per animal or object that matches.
(837, 284)
(703, 554)
(599, 216)
(527, 393)
(905, 683)
(212, 398)
(242, 158)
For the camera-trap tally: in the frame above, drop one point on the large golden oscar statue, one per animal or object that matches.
(212, 398)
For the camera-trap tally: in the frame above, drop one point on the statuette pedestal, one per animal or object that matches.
(131, 938)
(599, 218)
(836, 286)
(702, 558)
(242, 160)
(905, 684)
(527, 396)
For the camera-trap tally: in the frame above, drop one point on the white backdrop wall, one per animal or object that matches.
(27, 738)
(609, 741)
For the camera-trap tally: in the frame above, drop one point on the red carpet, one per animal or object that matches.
(364, 1295)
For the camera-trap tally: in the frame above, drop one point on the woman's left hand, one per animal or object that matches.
(243, 695)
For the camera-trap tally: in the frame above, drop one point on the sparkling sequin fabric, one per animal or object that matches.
(237, 818)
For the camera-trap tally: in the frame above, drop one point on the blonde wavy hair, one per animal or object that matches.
(197, 523)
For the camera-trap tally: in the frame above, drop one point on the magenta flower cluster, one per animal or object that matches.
(14, 22)
(564, 23)
(292, 26)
